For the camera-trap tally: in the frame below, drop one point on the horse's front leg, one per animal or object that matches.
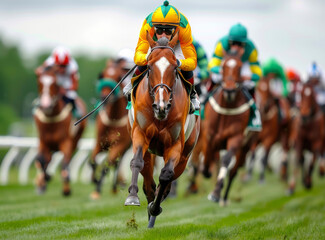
(232, 148)
(42, 160)
(167, 175)
(137, 163)
(66, 148)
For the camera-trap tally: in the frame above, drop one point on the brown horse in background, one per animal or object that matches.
(276, 127)
(53, 119)
(160, 125)
(226, 118)
(309, 129)
(111, 126)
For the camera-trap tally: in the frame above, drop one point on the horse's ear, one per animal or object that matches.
(173, 42)
(152, 43)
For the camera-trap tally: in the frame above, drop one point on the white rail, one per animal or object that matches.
(18, 144)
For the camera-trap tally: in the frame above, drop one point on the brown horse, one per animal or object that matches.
(53, 119)
(276, 127)
(226, 117)
(310, 131)
(160, 125)
(111, 126)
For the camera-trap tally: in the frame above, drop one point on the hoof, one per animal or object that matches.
(132, 201)
(151, 210)
(207, 174)
(41, 190)
(307, 183)
(223, 203)
(95, 195)
(66, 193)
(213, 198)
(152, 220)
(290, 191)
(246, 178)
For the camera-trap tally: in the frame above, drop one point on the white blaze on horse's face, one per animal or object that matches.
(47, 81)
(307, 91)
(231, 64)
(162, 65)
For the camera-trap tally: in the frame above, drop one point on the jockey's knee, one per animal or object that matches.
(188, 75)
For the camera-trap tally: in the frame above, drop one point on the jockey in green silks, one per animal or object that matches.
(201, 72)
(250, 72)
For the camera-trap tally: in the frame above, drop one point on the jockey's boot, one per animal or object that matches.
(75, 110)
(195, 103)
(255, 122)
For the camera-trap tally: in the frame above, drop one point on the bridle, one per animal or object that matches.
(153, 90)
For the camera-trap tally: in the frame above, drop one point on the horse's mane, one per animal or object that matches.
(163, 41)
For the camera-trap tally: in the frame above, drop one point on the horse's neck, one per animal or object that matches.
(56, 109)
(238, 101)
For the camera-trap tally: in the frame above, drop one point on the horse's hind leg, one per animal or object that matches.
(264, 164)
(137, 164)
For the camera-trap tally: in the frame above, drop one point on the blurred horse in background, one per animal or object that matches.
(111, 129)
(309, 129)
(160, 125)
(276, 127)
(53, 119)
(226, 118)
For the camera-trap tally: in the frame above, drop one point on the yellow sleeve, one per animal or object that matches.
(185, 40)
(254, 64)
(143, 45)
(216, 59)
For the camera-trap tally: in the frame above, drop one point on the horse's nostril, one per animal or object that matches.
(169, 105)
(155, 106)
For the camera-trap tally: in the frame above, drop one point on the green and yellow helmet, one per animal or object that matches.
(238, 33)
(166, 15)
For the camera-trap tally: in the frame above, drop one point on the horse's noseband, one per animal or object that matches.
(155, 89)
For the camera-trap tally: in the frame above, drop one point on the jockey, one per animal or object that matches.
(278, 81)
(295, 86)
(315, 76)
(66, 69)
(250, 71)
(278, 84)
(124, 60)
(201, 73)
(165, 21)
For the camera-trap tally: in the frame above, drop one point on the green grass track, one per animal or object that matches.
(256, 211)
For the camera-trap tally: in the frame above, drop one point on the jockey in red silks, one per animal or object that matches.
(66, 69)
(166, 21)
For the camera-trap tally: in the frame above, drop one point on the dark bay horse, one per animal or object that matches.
(53, 119)
(309, 129)
(226, 117)
(111, 126)
(160, 125)
(276, 127)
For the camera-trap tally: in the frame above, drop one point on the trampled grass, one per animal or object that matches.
(256, 211)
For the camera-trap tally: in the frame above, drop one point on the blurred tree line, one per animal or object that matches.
(18, 87)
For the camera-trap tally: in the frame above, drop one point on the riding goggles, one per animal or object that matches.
(166, 30)
(236, 43)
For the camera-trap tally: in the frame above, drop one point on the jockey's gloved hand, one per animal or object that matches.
(179, 63)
